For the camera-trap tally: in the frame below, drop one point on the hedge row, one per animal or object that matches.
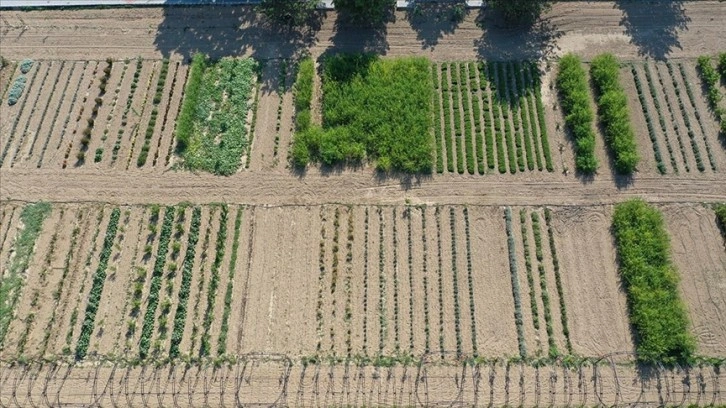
(575, 93)
(99, 278)
(651, 280)
(156, 275)
(613, 109)
(185, 120)
(181, 310)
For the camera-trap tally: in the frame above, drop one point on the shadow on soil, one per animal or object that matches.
(432, 21)
(654, 27)
(353, 36)
(220, 31)
(502, 41)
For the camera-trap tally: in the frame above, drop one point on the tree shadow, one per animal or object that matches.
(432, 21)
(502, 41)
(225, 30)
(654, 26)
(350, 35)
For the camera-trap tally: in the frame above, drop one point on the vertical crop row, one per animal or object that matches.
(212, 289)
(425, 270)
(526, 124)
(437, 119)
(497, 92)
(200, 285)
(528, 265)
(161, 81)
(11, 137)
(99, 278)
(321, 280)
(533, 76)
(222, 340)
(396, 306)
(440, 271)
(185, 120)
(156, 275)
(474, 88)
(349, 284)
(91, 121)
(282, 86)
(661, 119)
(446, 99)
(486, 111)
(127, 109)
(45, 111)
(514, 98)
(334, 275)
(470, 282)
(687, 121)
(558, 279)
(465, 81)
(672, 114)
(518, 321)
(382, 304)
(56, 114)
(365, 283)
(648, 121)
(553, 352)
(699, 119)
(410, 280)
(457, 118)
(505, 103)
(32, 110)
(181, 310)
(455, 281)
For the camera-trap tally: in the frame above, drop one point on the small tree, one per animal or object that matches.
(365, 11)
(521, 11)
(288, 12)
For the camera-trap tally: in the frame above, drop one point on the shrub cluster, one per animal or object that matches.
(16, 89)
(99, 278)
(651, 281)
(26, 65)
(373, 109)
(710, 77)
(613, 109)
(575, 95)
(156, 275)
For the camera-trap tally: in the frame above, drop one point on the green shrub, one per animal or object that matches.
(575, 95)
(16, 90)
(651, 281)
(373, 109)
(722, 65)
(185, 120)
(614, 115)
(710, 77)
(303, 88)
(99, 278)
(26, 65)
(720, 210)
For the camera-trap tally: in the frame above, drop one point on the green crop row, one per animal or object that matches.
(448, 136)
(558, 279)
(518, 321)
(156, 275)
(458, 131)
(302, 93)
(692, 100)
(497, 95)
(648, 121)
(425, 270)
(470, 281)
(514, 104)
(710, 77)
(440, 270)
(485, 109)
(661, 119)
(214, 282)
(365, 283)
(535, 84)
(141, 159)
(528, 266)
(614, 115)
(185, 120)
(222, 341)
(676, 126)
(465, 100)
(651, 281)
(11, 282)
(396, 305)
(181, 310)
(575, 95)
(321, 279)
(686, 120)
(523, 92)
(437, 119)
(546, 305)
(455, 281)
(505, 102)
(382, 304)
(99, 278)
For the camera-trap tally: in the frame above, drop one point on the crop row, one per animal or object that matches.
(651, 282)
(575, 96)
(446, 98)
(127, 109)
(661, 118)
(32, 110)
(410, 280)
(99, 278)
(470, 281)
(99, 151)
(676, 126)
(613, 111)
(156, 281)
(349, 285)
(32, 217)
(219, 251)
(694, 146)
(382, 304)
(334, 274)
(222, 341)
(365, 284)
(440, 281)
(161, 81)
(558, 280)
(528, 267)
(17, 118)
(321, 279)
(455, 282)
(281, 88)
(57, 113)
(91, 121)
(396, 306)
(711, 78)
(437, 120)
(424, 269)
(648, 121)
(546, 305)
(45, 112)
(518, 321)
(200, 288)
(699, 119)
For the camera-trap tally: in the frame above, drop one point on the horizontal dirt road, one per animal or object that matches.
(673, 29)
(277, 188)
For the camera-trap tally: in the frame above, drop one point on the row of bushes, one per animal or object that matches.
(181, 311)
(651, 281)
(156, 274)
(99, 278)
(614, 115)
(437, 119)
(575, 95)
(711, 77)
(11, 280)
(448, 135)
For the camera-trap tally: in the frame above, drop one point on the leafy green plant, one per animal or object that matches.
(11, 282)
(614, 115)
(99, 278)
(575, 96)
(651, 281)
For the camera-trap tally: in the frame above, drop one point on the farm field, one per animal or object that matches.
(200, 209)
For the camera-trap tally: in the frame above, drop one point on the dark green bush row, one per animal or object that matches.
(437, 119)
(99, 278)
(11, 280)
(505, 101)
(372, 109)
(214, 282)
(534, 74)
(185, 120)
(575, 95)
(365, 284)
(692, 99)
(440, 271)
(722, 65)
(186, 270)
(156, 275)
(648, 121)
(531, 88)
(710, 77)
(465, 100)
(614, 115)
(457, 118)
(382, 304)
(222, 341)
(448, 135)
(396, 305)
(651, 281)
(661, 119)
(141, 159)
(514, 98)
(16, 90)
(425, 269)
(515, 284)
(477, 112)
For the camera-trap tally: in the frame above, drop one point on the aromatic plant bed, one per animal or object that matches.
(211, 132)
(651, 281)
(373, 109)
